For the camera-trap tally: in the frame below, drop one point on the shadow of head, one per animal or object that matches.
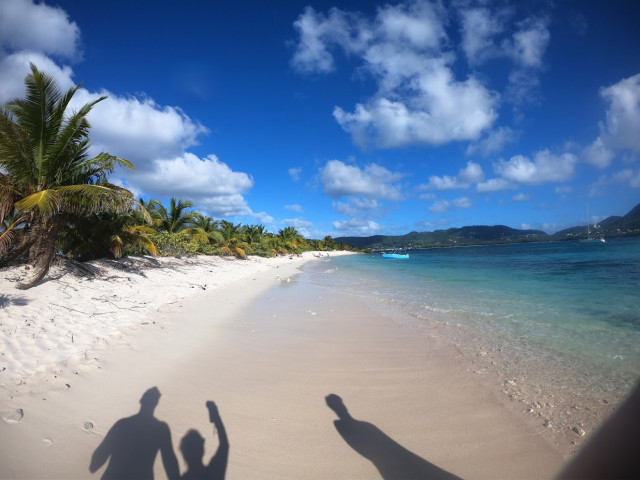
(334, 402)
(192, 447)
(149, 400)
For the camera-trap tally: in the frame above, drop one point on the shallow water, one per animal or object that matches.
(564, 317)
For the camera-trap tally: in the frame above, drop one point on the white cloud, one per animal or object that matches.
(627, 176)
(138, 129)
(208, 182)
(26, 26)
(374, 181)
(445, 205)
(154, 137)
(545, 168)
(520, 197)
(494, 185)
(493, 142)
(597, 154)
(263, 217)
(302, 226)
(623, 115)
(471, 173)
(317, 33)
(492, 32)
(294, 207)
(404, 48)
(188, 173)
(359, 227)
(478, 27)
(529, 42)
(295, 173)
(427, 196)
(357, 206)
(15, 67)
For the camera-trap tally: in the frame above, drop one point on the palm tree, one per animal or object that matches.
(208, 226)
(173, 220)
(253, 233)
(233, 239)
(329, 243)
(46, 173)
(290, 239)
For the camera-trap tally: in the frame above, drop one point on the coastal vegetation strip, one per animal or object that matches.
(57, 202)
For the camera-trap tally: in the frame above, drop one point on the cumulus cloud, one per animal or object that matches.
(620, 131)
(494, 185)
(15, 67)
(445, 205)
(404, 48)
(471, 173)
(479, 26)
(356, 226)
(154, 137)
(492, 32)
(207, 182)
(357, 206)
(36, 27)
(598, 154)
(138, 129)
(374, 181)
(544, 168)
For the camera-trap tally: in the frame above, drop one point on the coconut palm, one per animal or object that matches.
(47, 174)
(208, 226)
(329, 243)
(290, 239)
(253, 233)
(233, 242)
(173, 220)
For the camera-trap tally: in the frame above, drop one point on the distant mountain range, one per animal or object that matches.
(626, 226)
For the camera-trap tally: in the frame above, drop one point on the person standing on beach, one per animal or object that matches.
(133, 443)
(192, 448)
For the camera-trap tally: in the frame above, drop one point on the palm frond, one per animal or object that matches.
(46, 202)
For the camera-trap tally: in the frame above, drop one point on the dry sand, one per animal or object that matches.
(267, 348)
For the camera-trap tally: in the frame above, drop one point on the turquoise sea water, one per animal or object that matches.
(565, 315)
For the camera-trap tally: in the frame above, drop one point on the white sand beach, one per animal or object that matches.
(281, 361)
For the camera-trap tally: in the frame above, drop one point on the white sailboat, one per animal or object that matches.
(589, 238)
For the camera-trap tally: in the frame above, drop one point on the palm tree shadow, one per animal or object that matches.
(192, 448)
(132, 444)
(392, 460)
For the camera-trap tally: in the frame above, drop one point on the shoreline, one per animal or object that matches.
(268, 351)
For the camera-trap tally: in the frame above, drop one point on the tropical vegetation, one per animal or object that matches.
(56, 200)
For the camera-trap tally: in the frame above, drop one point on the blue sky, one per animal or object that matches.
(353, 117)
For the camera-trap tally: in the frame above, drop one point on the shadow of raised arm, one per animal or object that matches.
(192, 448)
(392, 460)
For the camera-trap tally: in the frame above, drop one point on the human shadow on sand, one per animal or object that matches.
(192, 448)
(132, 444)
(392, 460)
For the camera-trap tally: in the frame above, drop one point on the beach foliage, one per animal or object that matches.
(55, 198)
(47, 176)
